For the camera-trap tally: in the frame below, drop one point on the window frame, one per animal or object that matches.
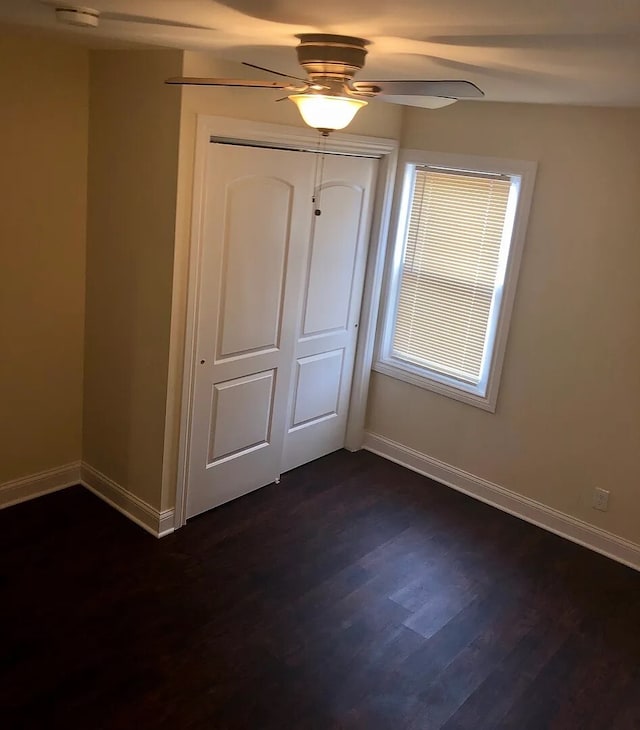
(484, 394)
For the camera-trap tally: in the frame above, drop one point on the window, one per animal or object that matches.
(459, 229)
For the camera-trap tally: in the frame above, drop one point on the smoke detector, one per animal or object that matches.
(83, 17)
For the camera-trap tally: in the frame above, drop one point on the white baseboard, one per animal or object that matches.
(573, 529)
(15, 491)
(35, 485)
(150, 519)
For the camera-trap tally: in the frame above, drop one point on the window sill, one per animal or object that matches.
(457, 392)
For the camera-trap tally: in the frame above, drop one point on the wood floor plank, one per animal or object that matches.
(506, 684)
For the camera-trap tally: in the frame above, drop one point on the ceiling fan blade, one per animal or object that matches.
(204, 81)
(277, 73)
(126, 17)
(424, 102)
(451, 89)
(542, 41)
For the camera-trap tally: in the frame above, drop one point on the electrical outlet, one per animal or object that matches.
(600, 499)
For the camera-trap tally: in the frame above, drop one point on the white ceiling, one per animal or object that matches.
(553, 51)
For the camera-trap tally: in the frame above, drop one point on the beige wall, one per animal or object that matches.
(568, 415)
(43, 135)
(379, 120)
(133, 154)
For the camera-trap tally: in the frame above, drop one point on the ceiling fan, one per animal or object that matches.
(329, 98)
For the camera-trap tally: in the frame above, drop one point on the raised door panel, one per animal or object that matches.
(257, 221)
(332, 259)
(317, 390)
(241, 416)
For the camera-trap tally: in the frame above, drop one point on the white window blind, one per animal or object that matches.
(448, 277)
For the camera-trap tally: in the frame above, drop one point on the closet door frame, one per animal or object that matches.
(227, 130)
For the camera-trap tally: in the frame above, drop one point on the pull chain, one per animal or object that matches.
(319, 173)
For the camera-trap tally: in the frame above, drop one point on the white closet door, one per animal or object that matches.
(278, 305)
(256, 230)
(327, 325)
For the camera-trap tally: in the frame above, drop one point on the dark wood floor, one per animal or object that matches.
(355, 594)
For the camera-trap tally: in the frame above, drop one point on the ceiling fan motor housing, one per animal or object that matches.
(331, 59)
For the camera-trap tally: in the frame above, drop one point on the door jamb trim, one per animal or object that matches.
(386, 150)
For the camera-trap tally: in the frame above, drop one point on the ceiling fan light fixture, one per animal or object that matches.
(327, 113)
